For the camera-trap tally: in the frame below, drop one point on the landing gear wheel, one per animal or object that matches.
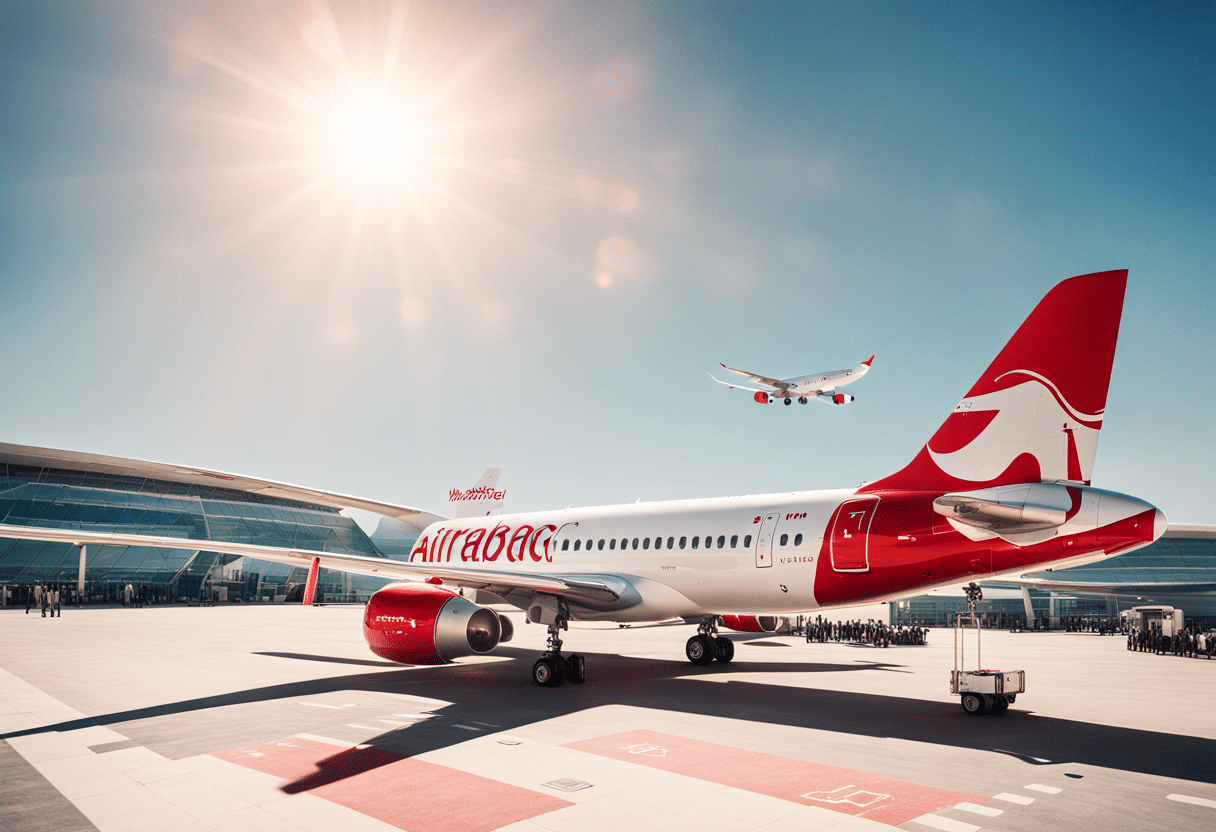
(700, 650)
(802, 400)
(576, 669)
(789, 402)
(999, 706)
(974, 704)
(724, 649)
(548, 672)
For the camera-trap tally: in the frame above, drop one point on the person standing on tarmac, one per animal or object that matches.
(55, 609)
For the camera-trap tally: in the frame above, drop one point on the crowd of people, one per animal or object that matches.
(47, 598)
(876, 633)
(1192, 642)
(51, 598)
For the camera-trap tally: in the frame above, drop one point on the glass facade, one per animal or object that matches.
(1179, 569)
(57, 498)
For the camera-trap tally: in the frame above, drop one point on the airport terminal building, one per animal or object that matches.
(63, 489)
(66, 489)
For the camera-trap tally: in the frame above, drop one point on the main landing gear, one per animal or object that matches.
(553, 668)
(788, 402)
(802, 400)
(707, 645)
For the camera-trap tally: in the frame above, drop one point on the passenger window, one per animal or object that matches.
(797, 540)
(683, 540)
(565, 545)
(721, 541)
(747, 541)
(577, 543)
(671, 543)
(694, 542)
(588, 545)
(645, 542)
(734, 540)
(784, 539)
(612, 543)
(624, 543)
(600, 545)
(635, 543)
(709, 541)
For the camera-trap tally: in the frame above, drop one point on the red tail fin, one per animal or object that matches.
(1035, 413)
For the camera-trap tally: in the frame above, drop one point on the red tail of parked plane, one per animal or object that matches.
(1035, 413)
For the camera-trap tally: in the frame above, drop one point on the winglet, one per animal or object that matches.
(868, 361)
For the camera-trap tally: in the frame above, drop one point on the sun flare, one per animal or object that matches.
(378, 138)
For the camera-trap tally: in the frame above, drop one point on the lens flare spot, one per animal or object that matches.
(603, 280)
(617, 256)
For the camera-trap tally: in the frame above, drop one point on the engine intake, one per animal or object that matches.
(417, 623)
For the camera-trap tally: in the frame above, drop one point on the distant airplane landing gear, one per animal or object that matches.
(551, 669)
(802, 400)
(707, 645)
(788, 401)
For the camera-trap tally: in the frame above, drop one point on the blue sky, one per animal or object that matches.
(202, 259)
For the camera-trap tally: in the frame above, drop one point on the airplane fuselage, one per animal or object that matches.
(772, 553)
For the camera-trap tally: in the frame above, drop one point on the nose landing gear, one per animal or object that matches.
(551, 669)
(707, 645)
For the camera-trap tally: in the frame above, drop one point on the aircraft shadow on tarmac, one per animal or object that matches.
(501, 696)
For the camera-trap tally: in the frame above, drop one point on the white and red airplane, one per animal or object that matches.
(1002, 488)
(821, 386)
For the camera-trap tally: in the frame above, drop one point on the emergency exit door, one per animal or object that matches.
(850, 546)
(764, 540)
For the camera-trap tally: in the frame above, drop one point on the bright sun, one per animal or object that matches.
(382, 140)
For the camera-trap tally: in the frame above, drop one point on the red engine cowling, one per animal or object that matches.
(751, 623)
(762, 397)
(417, 623)
(842, 398)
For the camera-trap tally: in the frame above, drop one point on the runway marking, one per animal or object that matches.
(945, 824)
(331, 707)
(326, 740)
(1039, 787)
(402, 791)
(364, 727)
(1020, 799)
(975, 809)
(1194, 801)
(837, 789)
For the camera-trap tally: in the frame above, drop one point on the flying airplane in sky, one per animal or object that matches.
(1002, 488)
(821, 386)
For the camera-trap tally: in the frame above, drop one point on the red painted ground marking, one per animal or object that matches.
(852, 792)
(407, 793)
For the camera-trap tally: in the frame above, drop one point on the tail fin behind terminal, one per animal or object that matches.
(1035, 413)
(482, 500)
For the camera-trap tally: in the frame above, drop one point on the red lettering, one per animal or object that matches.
(437, 546)
(471, 543)
(521, 536)
(420, 547)
(455, 536)
(498, 533)
(532, 548)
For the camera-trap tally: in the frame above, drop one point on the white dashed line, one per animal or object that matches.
(945, 824)
(1194, 801)
(326, 740)
(976, 809)
(1020, 799)
(1039, 787)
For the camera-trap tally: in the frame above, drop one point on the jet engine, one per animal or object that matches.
(836, 398)
(751, 623)
(417, 623)
(762, 397)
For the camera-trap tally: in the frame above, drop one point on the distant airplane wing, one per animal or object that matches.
(597, 590)
(733, 386)
(482, 500)
(771, 382)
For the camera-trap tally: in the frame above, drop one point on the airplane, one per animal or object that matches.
(1001, 488)
(821, 386)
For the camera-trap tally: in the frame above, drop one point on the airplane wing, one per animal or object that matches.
(737, 386)
(593, 591)
(771, 382)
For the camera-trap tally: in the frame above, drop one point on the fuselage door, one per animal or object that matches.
(850, 535)
(764, 540)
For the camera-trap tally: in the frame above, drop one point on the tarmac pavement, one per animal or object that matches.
(279, 717)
